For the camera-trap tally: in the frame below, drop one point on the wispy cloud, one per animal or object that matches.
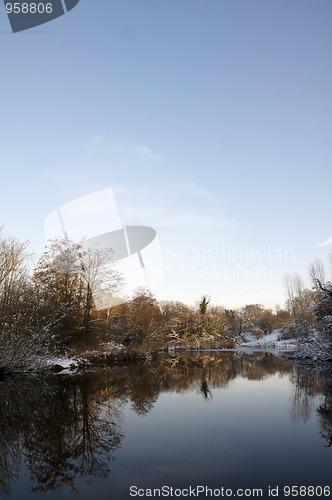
(147, 189)
(326, 242)
(145, 153)
(172, 206)
(99, 163)
(200, 192)
(112, 149)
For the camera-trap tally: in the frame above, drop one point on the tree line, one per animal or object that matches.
(50, 307)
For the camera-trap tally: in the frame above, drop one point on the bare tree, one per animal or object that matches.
(21, 335)
(13, 275)
(299, 300)
(317, 272)
(145, 317)
(101, 281)
(73, 281)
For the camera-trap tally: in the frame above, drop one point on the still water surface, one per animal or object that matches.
(219, 419)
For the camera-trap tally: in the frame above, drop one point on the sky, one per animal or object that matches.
(210, 121)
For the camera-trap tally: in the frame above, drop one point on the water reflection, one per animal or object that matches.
(68, 427)
(325, 412)
(305, 388)
(59, 427)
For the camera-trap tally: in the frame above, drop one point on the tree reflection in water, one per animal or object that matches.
(60, 427)
(305, 387)
(65, 427)
(325, 412)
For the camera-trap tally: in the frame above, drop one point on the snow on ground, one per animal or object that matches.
(64, 362)
(272, 340)
(57, 364)
(70, 364)
(312, 351)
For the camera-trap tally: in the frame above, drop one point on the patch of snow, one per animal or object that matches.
(265, 340)
(64, 362)
(314, 351)
(269, 341)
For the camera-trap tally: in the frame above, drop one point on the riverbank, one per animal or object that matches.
(111, 353)
(312, 352)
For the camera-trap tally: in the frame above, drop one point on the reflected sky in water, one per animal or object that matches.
(215, 419)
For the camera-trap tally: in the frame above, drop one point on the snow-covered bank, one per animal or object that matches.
(312, 351)
(63, 365)
(272, 341)
(71, 363)
(108, 354)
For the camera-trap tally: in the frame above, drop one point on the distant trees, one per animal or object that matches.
(257, 319)
(183, 323)
(144, 320)
(250, 315)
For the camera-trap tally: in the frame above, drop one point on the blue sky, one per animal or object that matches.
(210, 121)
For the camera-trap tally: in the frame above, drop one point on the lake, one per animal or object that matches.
(206, 424)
